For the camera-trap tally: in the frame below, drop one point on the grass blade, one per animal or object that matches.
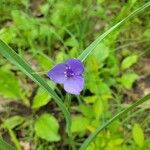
(13, 57)
(117, 116)
(93, 45)
(5, 146)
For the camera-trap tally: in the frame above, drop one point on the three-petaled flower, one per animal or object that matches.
(69, 74)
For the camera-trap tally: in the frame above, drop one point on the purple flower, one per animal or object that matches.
(69, 74)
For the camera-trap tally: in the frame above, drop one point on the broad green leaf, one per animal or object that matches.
(12, 122)
(44, 62)
(138, 135)
(61, 56)
(89, 99)
(71, 42)
(113, 65)
(101, 52)
(12, 56)
(94, 44)
(73, 52)
(93, 66)
(129, 61)
(8, 34)
(98, 108)
(86, 110)
(79, 124)
(9, 85)
(99, 87)
(5, 146)
(46, 127)
(127, 80)
(91, 138)
(114, 144)
(42, 97)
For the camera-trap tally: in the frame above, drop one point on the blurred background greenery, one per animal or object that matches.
(46, 32)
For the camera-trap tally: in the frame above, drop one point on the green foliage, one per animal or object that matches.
(98, 109)
(128, 79)
(9, 85)
(12, 122)
(4, 145)
(42, 97)
(86, 110)
(49, 32)
(138, 135)
(101, 52)
(120, 114)
(129, 61)
(79, 124)
(46, 127)
(7, 52)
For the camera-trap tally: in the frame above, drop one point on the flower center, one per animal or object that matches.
(68, 72)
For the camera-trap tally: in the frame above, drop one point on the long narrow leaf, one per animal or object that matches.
(93, 45)
(13, 57)
(5, 146)
(117, 116)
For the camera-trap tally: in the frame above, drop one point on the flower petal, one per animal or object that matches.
(57, 73)
(74, 85)
(75, 65)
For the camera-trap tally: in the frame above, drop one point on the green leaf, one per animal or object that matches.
(12, 56)
(138, 135)
(98, 108)
(45, 8)
(79, 124)
(8, 34)
(9, 85)
(42, 97)
(90, 99)
(86, 111)
(71, 42)
(5, 146)
(129, 61)
(87, 142)
(99, 87)
(101, 52)
(44, 61)
(146, 34)
(127, 80)
(94, 44)
(12, 122)
(46, 127)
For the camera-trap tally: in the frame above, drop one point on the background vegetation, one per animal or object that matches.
(47, 32)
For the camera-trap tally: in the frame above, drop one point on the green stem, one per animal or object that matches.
(72, 143)
(117, 116)
(79, 100)
(14, 139)
(68, 101)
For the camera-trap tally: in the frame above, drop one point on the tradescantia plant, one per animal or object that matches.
(69, 73)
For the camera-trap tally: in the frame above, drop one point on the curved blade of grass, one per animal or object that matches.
(5, 146)
(93, 45)
(117, 116)
(13, 57)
